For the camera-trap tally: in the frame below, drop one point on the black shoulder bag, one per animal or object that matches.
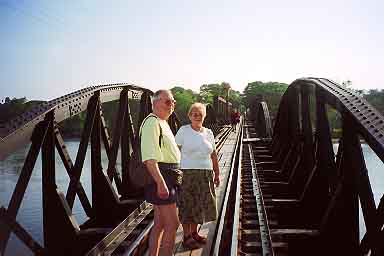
(138, 173)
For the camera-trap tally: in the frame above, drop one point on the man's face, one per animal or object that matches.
(166, 103)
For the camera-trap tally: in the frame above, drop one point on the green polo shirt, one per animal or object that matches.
(150, 149)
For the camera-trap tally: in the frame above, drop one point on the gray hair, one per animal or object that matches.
(157, 94)
(198, 105)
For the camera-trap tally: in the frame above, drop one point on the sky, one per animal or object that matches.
(52, 48)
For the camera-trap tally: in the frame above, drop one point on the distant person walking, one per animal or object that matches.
(200, 175)
(235, 119)
(161, 160)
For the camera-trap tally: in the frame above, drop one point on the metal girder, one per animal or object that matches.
(80, 157)
(347, 180)
(17, 132)
(369, 121)
(14, 205)
(264, 123)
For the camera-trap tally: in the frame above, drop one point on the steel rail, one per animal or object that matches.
(228, 191)
(265, 235)
(236, 220)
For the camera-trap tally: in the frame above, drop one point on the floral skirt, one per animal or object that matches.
(197, 197)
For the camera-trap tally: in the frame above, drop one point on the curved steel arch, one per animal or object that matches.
(368, 121)
(263, 119)
(17, 132)
(338, 184)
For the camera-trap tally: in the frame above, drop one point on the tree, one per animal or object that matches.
(209, 91)
(376, 99)
(271, 92)
(184, 99)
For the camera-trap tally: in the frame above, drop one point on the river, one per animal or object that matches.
(30, 213)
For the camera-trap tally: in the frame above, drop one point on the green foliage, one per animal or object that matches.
(184, 99)
(270, 91)
(14, 107)
(73, 126)
(376, 99)
(334, 119)
(209, 91)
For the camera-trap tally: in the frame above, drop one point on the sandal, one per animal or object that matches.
(190, 243)
(198, 238)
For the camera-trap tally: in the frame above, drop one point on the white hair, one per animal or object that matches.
(198, 105)
(157, 95)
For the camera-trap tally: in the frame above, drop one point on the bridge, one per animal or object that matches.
(284, 190)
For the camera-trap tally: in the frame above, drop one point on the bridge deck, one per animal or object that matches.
(208, 229)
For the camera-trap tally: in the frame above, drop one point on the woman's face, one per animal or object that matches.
(197, 116)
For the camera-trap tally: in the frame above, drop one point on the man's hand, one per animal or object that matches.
(153, 168)
(162, 190)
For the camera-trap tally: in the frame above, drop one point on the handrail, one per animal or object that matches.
(236, 220)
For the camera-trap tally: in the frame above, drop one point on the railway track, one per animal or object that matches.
(250, 223)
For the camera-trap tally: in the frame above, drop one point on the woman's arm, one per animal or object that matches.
(216, 169)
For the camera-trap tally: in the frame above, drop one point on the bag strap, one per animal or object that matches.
(142, 124)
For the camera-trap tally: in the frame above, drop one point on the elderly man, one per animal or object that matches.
(161, 156)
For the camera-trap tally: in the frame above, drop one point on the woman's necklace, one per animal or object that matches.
(198, 129)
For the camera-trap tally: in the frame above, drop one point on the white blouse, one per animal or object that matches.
(196, 147)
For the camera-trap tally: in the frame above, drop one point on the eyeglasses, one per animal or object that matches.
(169, 102)
(194, 114)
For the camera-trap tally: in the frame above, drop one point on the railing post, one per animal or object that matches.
(80, 157)
(340, 226)
(359, 172)
(145, 109)
(307, 128)
(116, 136)
(324, 165)
(293, 115)
(128, 190)
(96, 167)
(37, 140)
(49, 186)
(325, 156)
(216, 105)
(127, 140)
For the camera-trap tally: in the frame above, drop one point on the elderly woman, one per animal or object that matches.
(200, 173)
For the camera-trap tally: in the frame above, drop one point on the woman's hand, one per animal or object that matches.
(216, 180)
(216, 169)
